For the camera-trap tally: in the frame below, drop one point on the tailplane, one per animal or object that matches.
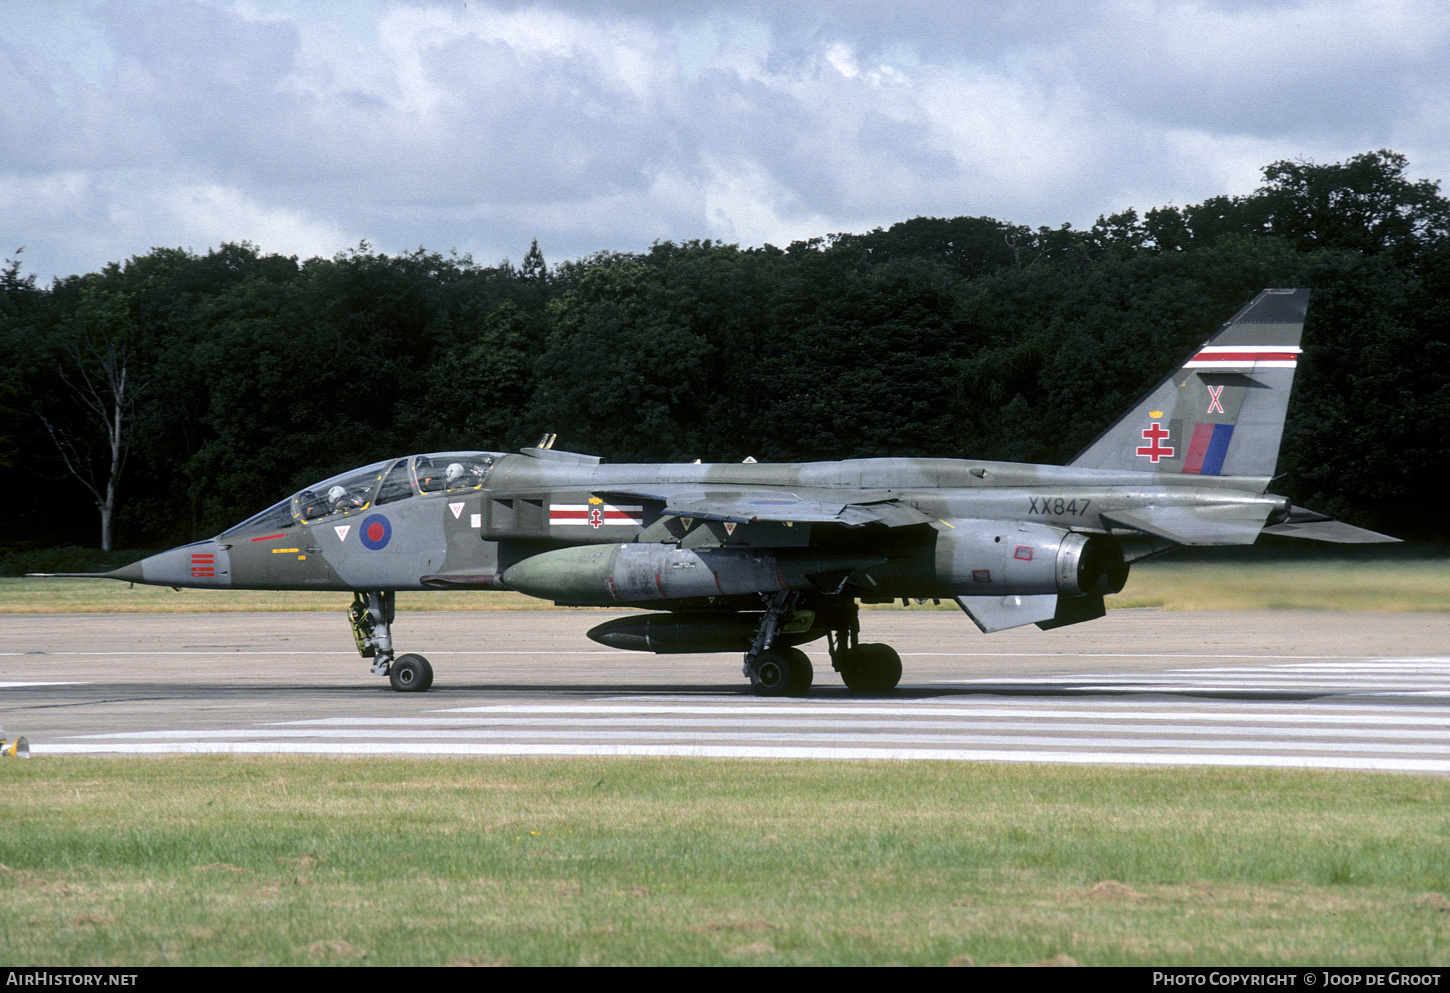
(1221, 413)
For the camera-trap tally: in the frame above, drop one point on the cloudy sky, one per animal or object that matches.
(307, 127)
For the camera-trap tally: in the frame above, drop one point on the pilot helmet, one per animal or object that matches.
(335, 494)
(454, 473)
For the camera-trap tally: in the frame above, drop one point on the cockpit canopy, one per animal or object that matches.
(374, 485)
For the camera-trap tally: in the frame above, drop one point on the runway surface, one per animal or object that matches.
(1281, 688)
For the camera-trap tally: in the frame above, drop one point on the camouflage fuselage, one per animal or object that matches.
(976, 527)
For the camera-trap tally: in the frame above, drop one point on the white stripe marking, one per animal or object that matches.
(1382, 764)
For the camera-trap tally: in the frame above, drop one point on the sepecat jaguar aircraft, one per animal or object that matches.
(760, 558)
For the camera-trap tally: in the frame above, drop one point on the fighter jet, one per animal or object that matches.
(762, 558)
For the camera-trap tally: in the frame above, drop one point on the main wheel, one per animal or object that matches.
(783, 672)
(410, 674)
(871, 669)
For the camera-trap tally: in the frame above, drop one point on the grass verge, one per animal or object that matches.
(1414, 584)
(207, 860)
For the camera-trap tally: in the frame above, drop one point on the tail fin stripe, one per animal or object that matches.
(1207, 448)
(1228, 356)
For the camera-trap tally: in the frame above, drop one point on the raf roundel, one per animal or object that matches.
(375, 532)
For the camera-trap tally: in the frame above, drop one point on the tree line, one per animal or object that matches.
(173, 394)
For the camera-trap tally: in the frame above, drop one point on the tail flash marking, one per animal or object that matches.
(1207, 448)
(1238, 357)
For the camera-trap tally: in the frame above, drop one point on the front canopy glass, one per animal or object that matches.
(351, 492)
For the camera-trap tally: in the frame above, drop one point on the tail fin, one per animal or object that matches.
(1221, 413)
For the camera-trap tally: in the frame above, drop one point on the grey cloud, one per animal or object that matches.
(609, 124)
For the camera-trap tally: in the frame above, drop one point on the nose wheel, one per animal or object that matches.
(371, 616)
(410, 674)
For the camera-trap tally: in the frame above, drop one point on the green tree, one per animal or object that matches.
(102, 371)
(1365, 204)
(482, 391)
(534, 267)
(623, 377)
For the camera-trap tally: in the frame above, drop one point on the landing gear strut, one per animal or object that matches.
(780, 671)
(786, 671)
(371, 615)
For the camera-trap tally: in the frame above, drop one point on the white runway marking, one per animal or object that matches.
(1326, 714)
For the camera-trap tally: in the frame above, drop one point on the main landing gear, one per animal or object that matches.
(786, 671)
(869, 669)
(371, 615)
(780, 671)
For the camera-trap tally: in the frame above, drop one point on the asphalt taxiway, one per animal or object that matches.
(1271, 688)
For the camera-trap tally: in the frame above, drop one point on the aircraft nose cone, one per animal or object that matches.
(204, 563)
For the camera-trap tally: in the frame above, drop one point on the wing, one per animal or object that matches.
(1215, 524)
(1303, 523)
(1236, 523)
(762, 504)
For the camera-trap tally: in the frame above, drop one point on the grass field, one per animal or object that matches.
(285, 861)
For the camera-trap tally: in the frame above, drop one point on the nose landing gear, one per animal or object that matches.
(371, 616)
